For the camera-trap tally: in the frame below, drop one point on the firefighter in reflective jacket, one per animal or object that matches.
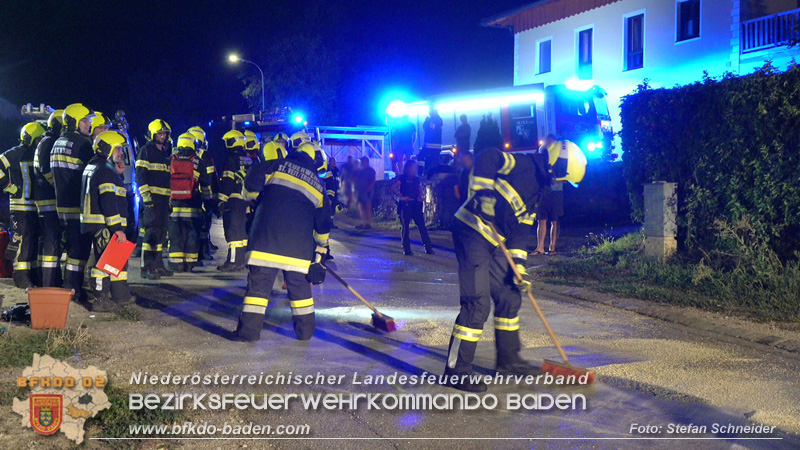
(189, 189)
(16, 175)
(153, 178)
(45, 195)
(70, 154)
(232, 203)
(205, 246)
(291, 226)
(104, 216)
(504, 190)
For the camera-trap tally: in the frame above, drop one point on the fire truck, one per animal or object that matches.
(525, 114)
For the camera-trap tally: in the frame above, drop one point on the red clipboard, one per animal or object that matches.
(115, 256)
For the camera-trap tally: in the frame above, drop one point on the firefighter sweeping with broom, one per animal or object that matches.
(504, 190)
(290, 228)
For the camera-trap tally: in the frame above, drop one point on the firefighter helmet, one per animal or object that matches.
(233, 139)
(56, 121)
(199, 137)
(281, 137)
(273, 151)
(30, 132)
(197, 128)
(157, 126)
(107, 141)
(99, 121)
(74, 113)
(187, 140)
(300, 138)
(567, 161)
(250, 141)
(320, 159)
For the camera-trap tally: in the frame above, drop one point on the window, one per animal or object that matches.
(688, 20)
(585, 54)
(545, 56)
(634, 42)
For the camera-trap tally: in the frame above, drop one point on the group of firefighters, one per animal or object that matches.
(275, 201)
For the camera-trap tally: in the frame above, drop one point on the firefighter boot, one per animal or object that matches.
(509, 361)
(459, 363)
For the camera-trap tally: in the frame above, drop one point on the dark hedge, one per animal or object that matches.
(732, 145)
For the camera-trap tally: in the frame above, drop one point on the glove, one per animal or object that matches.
(316, 273)
(523, 285)
(148, 204)
(339, 208)
(486, 207)
(11, 189)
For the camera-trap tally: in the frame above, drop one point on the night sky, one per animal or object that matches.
(168, 59)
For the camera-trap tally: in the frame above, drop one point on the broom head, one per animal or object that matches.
(384, 323)
(556, 368)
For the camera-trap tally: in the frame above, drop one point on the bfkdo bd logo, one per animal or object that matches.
(46, 413)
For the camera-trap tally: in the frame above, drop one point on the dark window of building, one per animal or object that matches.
(634, 42)
(585, 54)
(545, 56)
(688, 19)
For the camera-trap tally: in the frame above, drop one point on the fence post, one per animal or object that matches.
(660, 213)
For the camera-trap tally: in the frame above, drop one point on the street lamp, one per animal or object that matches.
(235, 59)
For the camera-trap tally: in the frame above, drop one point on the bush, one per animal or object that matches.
(731, 144)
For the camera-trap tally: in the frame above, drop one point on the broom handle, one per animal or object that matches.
(353, 291)
(530, 295)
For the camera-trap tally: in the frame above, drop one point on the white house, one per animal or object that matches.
(616, 44)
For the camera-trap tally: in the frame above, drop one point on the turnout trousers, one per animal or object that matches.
(234, 223)
(183, 243)
(25, 225)
(154, 222)
(79, 245)
(105, 286)
(50, 249)
(259, 286)
(409, 212)
(484, 276)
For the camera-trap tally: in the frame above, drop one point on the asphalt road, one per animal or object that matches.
(649, 372)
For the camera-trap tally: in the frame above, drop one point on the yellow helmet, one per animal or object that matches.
(320, 158)
(56, 121)
(98, 121)
(233, 139)
(187, 140)
(566, 153)
(308, 149)
(107, 141)
(300, 138)
(157, 126)
(273, 151)
(197, 128)
(250, 141)
(281, 137)
(199, 136)
(74, 113)
(30, 132)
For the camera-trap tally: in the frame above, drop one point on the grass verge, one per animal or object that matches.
(745, 280)
(17, 348)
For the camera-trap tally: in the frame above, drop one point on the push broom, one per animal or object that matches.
(552, 367)
(379, 321)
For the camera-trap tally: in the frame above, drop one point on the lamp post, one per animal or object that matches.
(235, 58)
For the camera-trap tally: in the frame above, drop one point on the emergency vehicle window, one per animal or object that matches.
(601, 106)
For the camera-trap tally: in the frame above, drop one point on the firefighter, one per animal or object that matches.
(291, 227)
(251, 146)
(100, 124)
(232, 203)
(205, 246)
(70, 154)
(281, 139)
(153, 178)
(104, 216)
(300, 138)
(189, 189)
(45, 195)
(504, 190)
(16, 166)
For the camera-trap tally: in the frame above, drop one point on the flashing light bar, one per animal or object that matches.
(398, 108)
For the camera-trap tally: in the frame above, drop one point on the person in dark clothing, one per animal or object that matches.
(432, 147)
(462, 188)
(16, 164)
(404, 135)
(504, 191)
(232, 203)
(290, 230)
(71, 152)
(408, 189)
(153, 179)
(104, 216)
(462, 135)
(205, 246)
(348, 174)
(365, 184)
(45, 195)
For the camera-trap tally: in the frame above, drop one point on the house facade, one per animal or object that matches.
(616, 44)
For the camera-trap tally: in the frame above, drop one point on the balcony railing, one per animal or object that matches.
(769, 31)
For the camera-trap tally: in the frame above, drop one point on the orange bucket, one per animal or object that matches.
(49, 307)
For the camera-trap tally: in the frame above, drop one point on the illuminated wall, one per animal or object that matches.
(666, 62)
